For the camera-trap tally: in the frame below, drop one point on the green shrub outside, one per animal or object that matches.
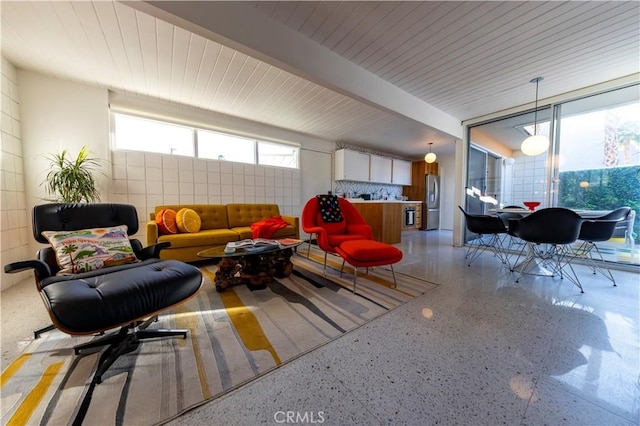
(608, 189)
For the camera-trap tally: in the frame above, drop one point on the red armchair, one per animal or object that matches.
(331, 235)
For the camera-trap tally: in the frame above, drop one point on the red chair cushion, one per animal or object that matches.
(338, 239)
(331, 227)
(367, 252)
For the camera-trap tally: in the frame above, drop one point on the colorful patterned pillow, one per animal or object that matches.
(90, 249)
(329, 208)
(188, 220)
(166, 221)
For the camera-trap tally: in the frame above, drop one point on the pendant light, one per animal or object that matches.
(536, 144)
(430, 157)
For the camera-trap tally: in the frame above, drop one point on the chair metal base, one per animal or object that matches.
(38, 332)
(586, 252)
(324, 268)
(309, 246)
(478, 245)
(355, 275)
(553, 259)
(126, 340)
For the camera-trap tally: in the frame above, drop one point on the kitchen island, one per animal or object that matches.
(386, 217)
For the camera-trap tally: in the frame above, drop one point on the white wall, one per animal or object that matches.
(56, 114)
(14, 216)
(446, 170)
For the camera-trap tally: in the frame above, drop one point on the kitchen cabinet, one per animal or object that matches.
(401, 172)
(431, 168)
(380, 169)
(385, 219)
(351, 165)
(362, 167)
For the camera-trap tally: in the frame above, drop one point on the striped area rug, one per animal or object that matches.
(234, 337)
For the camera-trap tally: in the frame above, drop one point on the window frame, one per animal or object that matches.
(194, 139)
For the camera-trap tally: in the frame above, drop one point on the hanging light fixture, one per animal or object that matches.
(536, 144)
(430, 157)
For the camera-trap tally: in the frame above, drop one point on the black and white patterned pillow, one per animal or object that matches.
(329, 208)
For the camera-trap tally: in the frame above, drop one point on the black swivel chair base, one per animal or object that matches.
(38, 332)
(126, 340)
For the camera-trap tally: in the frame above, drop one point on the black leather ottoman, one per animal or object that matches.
(128, 297)
(95, 301)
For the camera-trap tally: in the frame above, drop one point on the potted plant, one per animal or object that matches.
(71, 180)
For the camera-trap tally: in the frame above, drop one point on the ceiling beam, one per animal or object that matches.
(249, 31)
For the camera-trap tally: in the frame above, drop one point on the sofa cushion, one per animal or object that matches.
(206, 237)
(166, 221)
(246, 214)
(90, 249)
(188, 220)
(212, 216)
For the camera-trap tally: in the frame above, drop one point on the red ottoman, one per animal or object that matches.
(365, 253)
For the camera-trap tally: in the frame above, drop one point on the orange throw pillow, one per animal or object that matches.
(188, 220)
(166, 221)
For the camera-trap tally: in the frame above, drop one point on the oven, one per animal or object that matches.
(409, 216)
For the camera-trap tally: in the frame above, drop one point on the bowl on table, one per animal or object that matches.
(531, 204)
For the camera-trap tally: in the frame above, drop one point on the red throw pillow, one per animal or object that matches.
(166, 221)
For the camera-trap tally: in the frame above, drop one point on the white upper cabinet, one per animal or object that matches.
(401, 172)
(361, 167)
(380, 171)
(351, 165)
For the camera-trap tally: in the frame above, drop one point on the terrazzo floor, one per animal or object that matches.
(479, 349)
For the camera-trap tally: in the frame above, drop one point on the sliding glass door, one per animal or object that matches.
(597, 162)
(593, 162)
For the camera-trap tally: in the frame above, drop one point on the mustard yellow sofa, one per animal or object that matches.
(220, 225)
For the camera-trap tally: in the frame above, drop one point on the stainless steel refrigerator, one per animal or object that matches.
(432, 201)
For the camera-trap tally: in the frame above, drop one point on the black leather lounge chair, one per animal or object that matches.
(128, 296)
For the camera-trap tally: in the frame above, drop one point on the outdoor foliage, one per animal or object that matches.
(607, 189)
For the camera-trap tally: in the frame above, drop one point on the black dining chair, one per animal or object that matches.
(549, 233)
(488, 231)
(624, 228)
(598, 230)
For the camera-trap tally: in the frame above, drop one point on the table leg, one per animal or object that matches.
(282, 266)
(226, 274)
(257, 270)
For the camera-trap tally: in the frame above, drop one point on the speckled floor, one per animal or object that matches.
(478, 350)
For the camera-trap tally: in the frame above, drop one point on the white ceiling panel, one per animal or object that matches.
(466, 59)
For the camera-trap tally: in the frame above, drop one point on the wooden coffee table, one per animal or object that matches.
(254, 267)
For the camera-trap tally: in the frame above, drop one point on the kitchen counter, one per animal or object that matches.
(386, 217)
